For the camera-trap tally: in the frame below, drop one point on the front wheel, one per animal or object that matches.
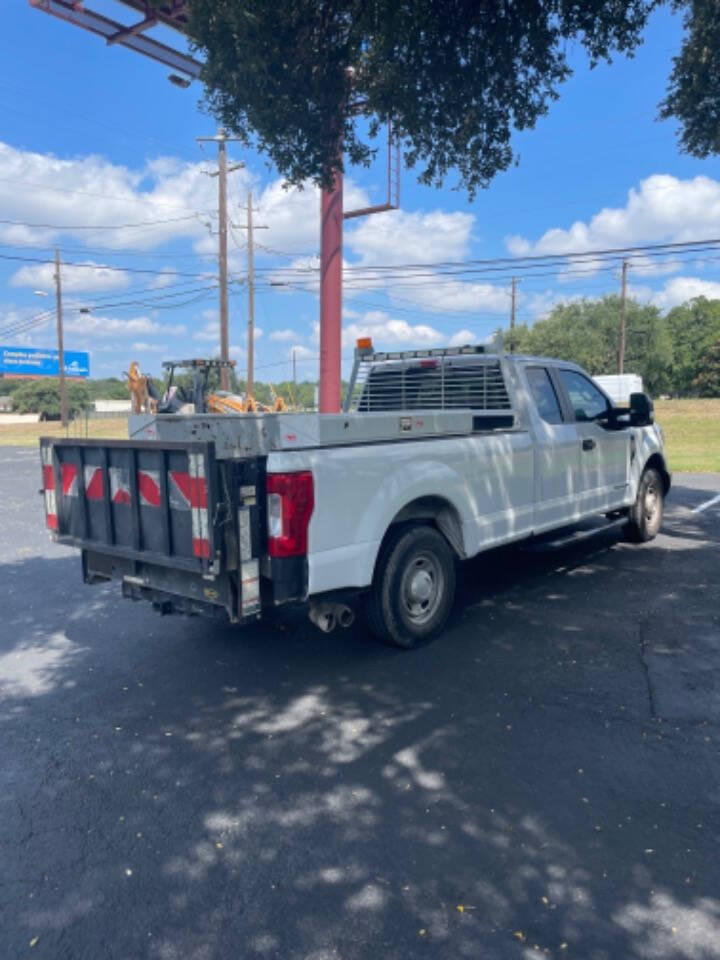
(646, 513)
(413, 589)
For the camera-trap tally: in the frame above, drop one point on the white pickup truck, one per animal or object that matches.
(438, 455)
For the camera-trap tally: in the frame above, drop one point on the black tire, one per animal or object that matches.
(646, 514)
(413, 589)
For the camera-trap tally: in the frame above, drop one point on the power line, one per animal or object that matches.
(100, 226)
(134, 198)
(101, 266)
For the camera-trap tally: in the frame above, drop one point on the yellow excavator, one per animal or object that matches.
(143, 396)
(204, 400)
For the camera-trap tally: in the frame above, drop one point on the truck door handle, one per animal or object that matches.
(589, 444)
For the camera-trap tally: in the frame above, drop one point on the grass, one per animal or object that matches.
(28, 434)
(692, 433)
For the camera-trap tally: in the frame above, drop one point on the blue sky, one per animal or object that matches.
(95, 137)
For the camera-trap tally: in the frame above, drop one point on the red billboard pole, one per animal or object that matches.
(331, 235)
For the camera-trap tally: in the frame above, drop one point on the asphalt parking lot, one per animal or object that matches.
(542, 781)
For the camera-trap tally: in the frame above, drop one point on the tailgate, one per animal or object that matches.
(142, 500)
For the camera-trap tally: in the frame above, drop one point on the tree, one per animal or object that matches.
(43, 397)
(694, 327)
(110, 388)
(694, 90)
(707, 381)
(587, 332)
(455, 76)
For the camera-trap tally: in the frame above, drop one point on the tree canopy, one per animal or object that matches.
(676, 353)
(43, 397)
(455, 76)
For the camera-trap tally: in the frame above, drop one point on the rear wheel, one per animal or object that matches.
(413, 589)
(646, 513)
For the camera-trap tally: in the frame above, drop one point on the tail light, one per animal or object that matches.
(290, 502)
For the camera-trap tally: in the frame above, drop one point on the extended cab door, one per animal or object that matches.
(557, 451)
(601, 482)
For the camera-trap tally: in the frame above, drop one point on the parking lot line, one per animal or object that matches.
(708, 503)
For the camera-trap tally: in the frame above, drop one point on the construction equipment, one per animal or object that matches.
(143, 396)
(210, 401)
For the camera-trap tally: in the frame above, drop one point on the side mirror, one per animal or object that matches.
(642, 412)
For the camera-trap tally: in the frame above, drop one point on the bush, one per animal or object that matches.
(43, 397)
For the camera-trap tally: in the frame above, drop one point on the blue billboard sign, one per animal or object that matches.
(37, 362)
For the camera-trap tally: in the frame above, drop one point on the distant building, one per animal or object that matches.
(5, 404)
(112, 406)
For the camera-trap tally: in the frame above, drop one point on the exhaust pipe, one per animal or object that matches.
(345, 616)
(323, 616)
(329, 615)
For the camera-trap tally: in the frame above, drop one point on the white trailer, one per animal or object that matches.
(620, 386)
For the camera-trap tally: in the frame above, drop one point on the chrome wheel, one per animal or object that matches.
(422, 587)
(651, 502)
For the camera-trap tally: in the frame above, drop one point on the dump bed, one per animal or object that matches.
(141, 501)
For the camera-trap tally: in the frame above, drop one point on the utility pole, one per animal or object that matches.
(513, 312)
(294, 369)
(331, 241)
(623, 303)
(222, 260)
(61, 347)
(222, 171)
(251, 299)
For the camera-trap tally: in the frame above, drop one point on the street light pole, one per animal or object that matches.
(61, 347)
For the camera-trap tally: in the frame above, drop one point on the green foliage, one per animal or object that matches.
(456, 77)
(111, 388)
(694, 89)
(694, 328)
(8, 385)
(588, 333)
(43, 397)
(707, 380)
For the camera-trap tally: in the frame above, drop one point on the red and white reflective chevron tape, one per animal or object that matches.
(69, 479)
(149, 488)
(198, 505)
(179, 489)
(93, 479)
(119, 484)
(49, 488)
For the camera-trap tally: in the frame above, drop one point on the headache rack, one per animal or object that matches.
(448, 378)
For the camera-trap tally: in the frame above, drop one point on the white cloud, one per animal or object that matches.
(302, 353)
(439, 295)
(163, 279)
(171, 198)
(91, 325)
(662, 209)
(283, 335)
(401, 237)
(388, 331)
(148, 347)
(210, 331)
(678, 290)
(293, 216)
(461, 338)
(41, 276)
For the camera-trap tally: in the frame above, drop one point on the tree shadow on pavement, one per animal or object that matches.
(175, 789)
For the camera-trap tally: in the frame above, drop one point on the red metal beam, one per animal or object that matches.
(75, 13)
(132, 31)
